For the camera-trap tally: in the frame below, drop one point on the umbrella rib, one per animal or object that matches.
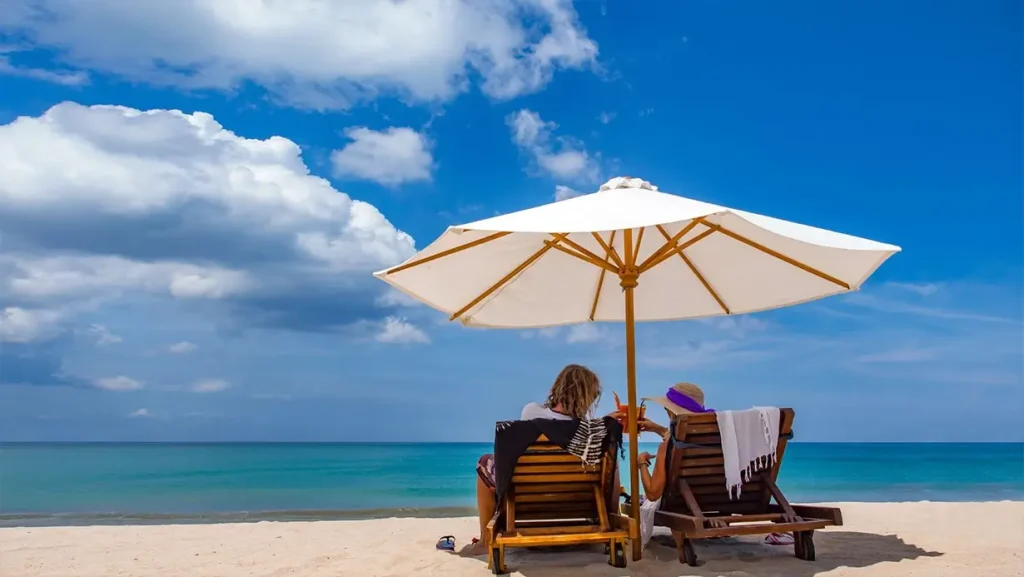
(677, 249)
(600, 279)
(581, 249)
(778, 255)
(609, 249)
(696, 273)
(636, 249)
(594, 260)
(668, 245)
(447, 252)
(548, 245)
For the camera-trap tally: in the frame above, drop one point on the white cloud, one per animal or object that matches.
(209, 385)
(564, 192)
(102, 201)
(390, 157)
(315, 54)
(20, 325)
(587, 333)
(606, 117)
(66, 78)
(395, 330)
(140, 414)
(103, 335)
(559, 157)
(66, 276)
(182, 348)
(119, 383)
(395, 298)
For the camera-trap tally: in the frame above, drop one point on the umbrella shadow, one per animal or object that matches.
(834, 549)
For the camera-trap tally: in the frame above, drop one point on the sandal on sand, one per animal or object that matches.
(779, 539)
(446, 543)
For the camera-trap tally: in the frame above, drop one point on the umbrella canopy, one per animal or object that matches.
(672, 257)
(719, 261)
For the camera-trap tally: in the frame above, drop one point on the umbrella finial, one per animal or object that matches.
(626, 182)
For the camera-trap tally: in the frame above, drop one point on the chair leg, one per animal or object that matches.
(803, 545)
(687, 555)
(496, 561)
(617, 554)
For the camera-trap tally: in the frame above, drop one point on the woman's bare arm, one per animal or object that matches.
(654, 482)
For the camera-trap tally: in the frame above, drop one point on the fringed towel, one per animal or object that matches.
(588, 440)
(749, 442)
(647, 511)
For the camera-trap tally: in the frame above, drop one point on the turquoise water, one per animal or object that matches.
(90, 483)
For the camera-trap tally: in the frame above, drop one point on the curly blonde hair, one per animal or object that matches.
(576, 389)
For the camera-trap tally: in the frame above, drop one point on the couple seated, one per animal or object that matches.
(574, 395)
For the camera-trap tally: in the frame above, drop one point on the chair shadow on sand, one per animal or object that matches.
(834, 549)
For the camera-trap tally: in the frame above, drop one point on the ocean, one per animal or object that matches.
(70, 484)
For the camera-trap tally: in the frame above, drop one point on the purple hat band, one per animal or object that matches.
(686, 402)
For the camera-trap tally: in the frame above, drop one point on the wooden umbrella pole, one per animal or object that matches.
(628, 280)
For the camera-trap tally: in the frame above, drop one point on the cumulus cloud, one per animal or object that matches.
(606, 117)
(140, 413)
(100, 202)
(209, 386)
(389, 157)
(182, 348)
(396, 330)
(319, 55)
(21, 325)
(119, 383)
(560, 157)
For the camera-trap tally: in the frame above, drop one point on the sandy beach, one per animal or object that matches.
(885, 539)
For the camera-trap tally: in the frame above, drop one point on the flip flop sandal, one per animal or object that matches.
(446, 543)
(779, 539)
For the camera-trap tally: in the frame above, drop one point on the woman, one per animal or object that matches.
(681, 399)
(573, 395)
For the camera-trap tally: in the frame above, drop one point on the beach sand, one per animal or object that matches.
(884, 539)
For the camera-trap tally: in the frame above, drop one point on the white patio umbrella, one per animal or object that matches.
(673, 257)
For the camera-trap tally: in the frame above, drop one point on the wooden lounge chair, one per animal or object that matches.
(695, 504)
(554, 499)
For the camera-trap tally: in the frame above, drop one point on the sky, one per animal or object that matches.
(194, 193)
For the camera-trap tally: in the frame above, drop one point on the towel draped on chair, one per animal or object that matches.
(588, 439)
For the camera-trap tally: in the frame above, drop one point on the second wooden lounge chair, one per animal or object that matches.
(695, 504)
(553, 500)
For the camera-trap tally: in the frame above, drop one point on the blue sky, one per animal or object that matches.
(193, 195)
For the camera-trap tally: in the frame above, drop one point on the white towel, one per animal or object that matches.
(647, 511)
(749, 442)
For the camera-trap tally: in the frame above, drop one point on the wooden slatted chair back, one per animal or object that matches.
(703, 469)
(553, 490)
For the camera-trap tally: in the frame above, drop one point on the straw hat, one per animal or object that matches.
(689, 389)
